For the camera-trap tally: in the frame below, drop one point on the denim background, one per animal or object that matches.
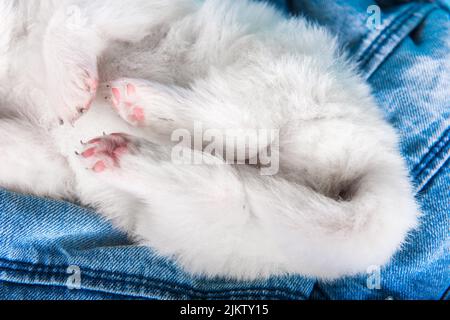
(406, 60)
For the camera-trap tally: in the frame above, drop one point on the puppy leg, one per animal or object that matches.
(222, 220)
(7, 21)
(29, 164)
(196, 211)
(77, 35)
(324, 237)
(207, 116)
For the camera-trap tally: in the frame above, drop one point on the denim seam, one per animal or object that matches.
(140, 287)
(115, 295)
(446, 294)
(166, 288)
(432, 152)
(444, 7)
(417, 12)
(136, 280)
(154, 291)
(57, 269)
(430, 164)
(436, 173)
(391, 48)
(395, 24)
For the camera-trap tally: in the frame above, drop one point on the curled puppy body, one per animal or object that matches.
(341, 200)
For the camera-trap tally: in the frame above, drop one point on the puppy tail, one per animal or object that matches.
(329, 237)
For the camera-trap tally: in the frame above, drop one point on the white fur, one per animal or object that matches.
(226, 64)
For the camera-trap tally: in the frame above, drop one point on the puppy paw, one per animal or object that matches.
(127, 99)
(105, 153)
(144, 103)
(72, 81)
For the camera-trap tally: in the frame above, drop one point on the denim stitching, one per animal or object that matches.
(384, 35)
(446, 294)
(433, 155)
(161, 289)
(417, 11)
(116, 295)
(432, 167)
(154, 290)
(55, 270)
(424, 184)
(436, 148)
(385, 43)
(395, 28)
(444, 7)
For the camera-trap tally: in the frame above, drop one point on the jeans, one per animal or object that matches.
(56, 250)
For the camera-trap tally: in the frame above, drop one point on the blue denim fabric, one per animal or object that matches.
(407, 62)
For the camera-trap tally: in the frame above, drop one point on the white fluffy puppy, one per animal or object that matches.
(340, 202)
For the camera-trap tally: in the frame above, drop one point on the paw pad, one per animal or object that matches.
(124, 97)
(105, 152)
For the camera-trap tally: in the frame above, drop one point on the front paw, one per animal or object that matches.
(127, 101)
(148, 104)
(72, 78)
(105, 153)
(74, 90)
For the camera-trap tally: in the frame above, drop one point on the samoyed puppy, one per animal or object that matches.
(97, 99)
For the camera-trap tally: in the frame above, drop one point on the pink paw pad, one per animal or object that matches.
(88, 153)
(116, 96)
(137, 115)
(105, 152)
(131, 89)
(124, 97)
(99, 166)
